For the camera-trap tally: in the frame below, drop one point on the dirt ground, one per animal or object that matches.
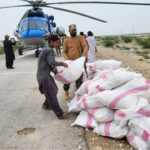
(134, 63)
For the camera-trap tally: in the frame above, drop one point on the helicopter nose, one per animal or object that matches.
(33, 33)
(37, 33)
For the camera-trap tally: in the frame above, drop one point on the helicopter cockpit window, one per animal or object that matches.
(41, 25)
(24, 26)
(32, 24)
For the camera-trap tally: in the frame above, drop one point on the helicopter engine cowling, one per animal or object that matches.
(60, 31)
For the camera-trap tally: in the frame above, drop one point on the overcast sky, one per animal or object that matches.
(121, 19)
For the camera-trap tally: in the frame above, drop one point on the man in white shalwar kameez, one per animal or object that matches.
(92, 47)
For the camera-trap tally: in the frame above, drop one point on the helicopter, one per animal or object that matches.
(35, 26)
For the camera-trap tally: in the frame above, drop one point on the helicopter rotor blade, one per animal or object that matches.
(26, 1)
(15, 6)
(100, 2)
(77, 13)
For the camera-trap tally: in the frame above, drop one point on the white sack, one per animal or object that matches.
(88, 102)
(90, 85)
(141, 127)
(136, 141)
(111, 129)
(107, 64)
(86, 120)
(74, 104)
(102, 114)
(73, 72)
(106, 80)
(125, 96)
(122, 116)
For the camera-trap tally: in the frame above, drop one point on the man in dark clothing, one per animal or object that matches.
(47, 85)
(9, 53)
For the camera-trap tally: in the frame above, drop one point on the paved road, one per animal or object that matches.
(20, 110)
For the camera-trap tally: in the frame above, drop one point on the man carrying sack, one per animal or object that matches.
(73, 48)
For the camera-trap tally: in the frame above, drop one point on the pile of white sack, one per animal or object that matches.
(114, 102)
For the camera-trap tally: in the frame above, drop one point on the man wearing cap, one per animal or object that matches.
(74, 47)
(9, 53)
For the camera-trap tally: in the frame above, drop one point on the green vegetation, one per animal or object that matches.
(15, 47)
(127, 39)
(1, 50)
(144, 42)
(110, 41)
(124, 48)
(144, 54)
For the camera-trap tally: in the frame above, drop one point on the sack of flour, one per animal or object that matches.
(122, 116)
(86, 120)
(74, 104)
(102, 114)
(107, 64)
(90, 86)
(106, 80)
(111, 129)
(72, 73)
(125, 96)
(141, 127)
(88, 102)
(136, 141)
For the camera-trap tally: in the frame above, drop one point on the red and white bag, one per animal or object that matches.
(90, 86)
(125, 96)
(86, 120)
(122, 116)
(74, 105)
(106, 80)
(136, 141)
(141, 127)
(72, 73)
(102, 114)
(107, 64)
(111, 129)
(89, 102)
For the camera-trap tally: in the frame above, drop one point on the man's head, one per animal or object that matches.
(73, 30)
(82, 33)
(90, 33)
(53, 41)
(7, 36)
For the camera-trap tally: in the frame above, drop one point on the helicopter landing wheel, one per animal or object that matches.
(20, 50)
(37, 54)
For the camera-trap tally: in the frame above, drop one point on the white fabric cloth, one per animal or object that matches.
(91, 51)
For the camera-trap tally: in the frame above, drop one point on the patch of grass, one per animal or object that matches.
(127, 39)
(15, 47)
(144, 54)
(124, 48)
(110, 41)
(1, 50)
(144, 42)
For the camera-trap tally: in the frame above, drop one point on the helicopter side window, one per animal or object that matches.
(24, 26)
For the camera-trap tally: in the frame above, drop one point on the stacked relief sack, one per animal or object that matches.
(125, 96)
(92, 68)
(139, 135)
(106, 80)
(112, 101)
(72, 73)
